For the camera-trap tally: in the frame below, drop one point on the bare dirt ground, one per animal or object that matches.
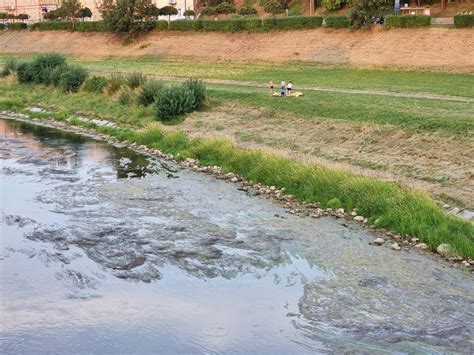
(440, 166)
(441, 48)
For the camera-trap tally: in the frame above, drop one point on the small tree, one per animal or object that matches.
(71, 8)
(247, 11)
(273, 7)
(168, 11)
(84, 12)
(188, 13)
(332, 4)
(23, 17)
(209, 11)
(127, 16)
(153, 11)
(225, 8)
(362, 12)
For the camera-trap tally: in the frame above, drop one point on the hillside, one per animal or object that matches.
(441, 48)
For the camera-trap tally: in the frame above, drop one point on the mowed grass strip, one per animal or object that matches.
(387, 205)
(301, 73)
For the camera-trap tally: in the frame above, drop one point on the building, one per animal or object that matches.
(37, 8)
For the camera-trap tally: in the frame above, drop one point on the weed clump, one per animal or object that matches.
(115, 82)
(72, 78)
(126, 97)
(149, 92)
(9, 67)
(134, 80)
(174, 102)
(95, 84)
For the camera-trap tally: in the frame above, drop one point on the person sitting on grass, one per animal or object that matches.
(290, 87)
(283, 88)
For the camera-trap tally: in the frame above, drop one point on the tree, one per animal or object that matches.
(71, 8)
(153, 11)
(332, 4)
(84, 12)
(168, 11)
(225, 8)
(188, 13)
(247, 11)
(362, 12)
(55, 14)
(23, 17)
(127, 16)
(273, 7)
(209, 11)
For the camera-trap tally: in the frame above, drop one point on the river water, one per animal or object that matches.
(105, 250)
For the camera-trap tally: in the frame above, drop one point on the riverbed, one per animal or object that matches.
(106, 250)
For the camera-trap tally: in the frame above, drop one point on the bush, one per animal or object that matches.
(72, 78)
(91, 26)
(337, 21)
(183, 25)
(149, 92)
(114, 83)
(463, 21)
(39, 70)
(251, 24)
(161, 25)
(25, 73)
(331, 5)
(134, 80)
(2, 26)
(9, 67)
(222, 25)
(55, 75)
(17, 26)
(95, 84)
(247, 11)
(173, 102)
(52, 26)
(294, 10)
(125, 97)
(198, 89)
(225, 8)
(209, 11)
(363, 10)
(407, 21)
(294, 22)
(273, 7)
(189, 13)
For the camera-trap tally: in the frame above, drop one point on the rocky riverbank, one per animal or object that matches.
(381, 237)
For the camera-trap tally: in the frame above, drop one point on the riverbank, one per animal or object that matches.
(439, 48)
(266, 170)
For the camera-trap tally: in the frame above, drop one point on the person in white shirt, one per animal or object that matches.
(289, 87)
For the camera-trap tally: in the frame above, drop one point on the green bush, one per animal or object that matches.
(91, 26)
(337, 21)
(161, 25)
(39, 70)
(115, 82)
(407, 21)
(198, 90)
(17, 26)
(331, 5)
(294, 10)
(9, 67)
(134, 80)
(233, 25)
(209, 11)
(125, 97)
(251, 24)
(294, 22)
(25, 72)
(52, 26)
(362, 12)
(247, 11)
(183, 25)
(174, 102)
(55, 75)
(2, 26)
(149, 92)
(463, 21)
(95, 84)
(72, 78)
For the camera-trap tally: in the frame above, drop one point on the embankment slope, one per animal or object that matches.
(440, 48)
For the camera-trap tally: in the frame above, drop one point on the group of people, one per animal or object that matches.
(285, 89)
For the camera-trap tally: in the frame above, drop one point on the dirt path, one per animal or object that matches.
(441, 48)
(250, 84)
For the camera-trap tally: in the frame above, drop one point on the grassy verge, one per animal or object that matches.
(301, 73)
(387, 205)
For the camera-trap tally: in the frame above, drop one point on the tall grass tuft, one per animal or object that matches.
(115, 82)
(149, 92)
(134, 80)
(9, 67)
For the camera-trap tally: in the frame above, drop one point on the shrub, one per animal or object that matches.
(114, 83)
(222, 25)
(2, 26)
(294, 10)
(209, 11)
(161, 25)
(463, 21)
(25, 72)
(198, 89)
(225, 8)
(363, 10)
(407, 21)
(182, 25)
(52, 26)
(128, 16)
(134, 80)
(9, 67)
(149, 92)
(95, 84)
(331, 5)
(125, 97)
(17, 26)
(247, 11)
(334, 203)
(91, 26)
(337, 21)
(294, 22)
(72, 78)
(251, 24)
(55, 75)
(39, 70)
(173, 102)
(189, 13)
(273, 7)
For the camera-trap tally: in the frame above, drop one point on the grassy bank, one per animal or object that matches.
(387, 205)
(301, 73)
